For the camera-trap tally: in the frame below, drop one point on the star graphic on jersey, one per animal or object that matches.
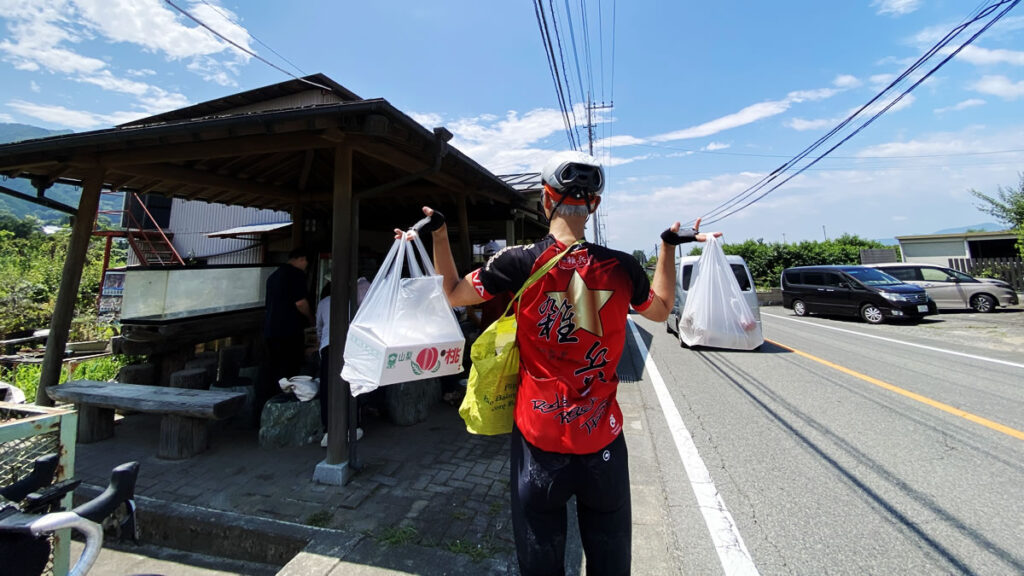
(587, 304)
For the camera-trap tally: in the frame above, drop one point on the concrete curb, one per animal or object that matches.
(297, 548)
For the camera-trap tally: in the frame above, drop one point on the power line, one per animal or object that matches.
(538, 7)
(733, 205)
(243, 49)
(832, 156)
(216, 9)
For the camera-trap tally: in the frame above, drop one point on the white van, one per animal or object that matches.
(685, 271)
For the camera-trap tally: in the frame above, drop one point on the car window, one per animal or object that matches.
(832, 279)
(934, 275)
(737, 269)
(872, 276)
(792, 277)
(741, 277)
(814, 278)
(904, 274)
(960, 275)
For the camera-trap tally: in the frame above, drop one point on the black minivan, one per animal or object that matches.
(853, 291)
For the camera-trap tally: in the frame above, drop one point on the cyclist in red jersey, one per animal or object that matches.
(567, 440)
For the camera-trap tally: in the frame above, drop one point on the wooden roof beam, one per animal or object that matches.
(188, 176)
(219, 148)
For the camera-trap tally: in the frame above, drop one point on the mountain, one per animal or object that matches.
(19, 132)
(67, 195)
(983, 227)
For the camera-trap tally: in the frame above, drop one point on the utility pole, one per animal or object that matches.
(598, 221)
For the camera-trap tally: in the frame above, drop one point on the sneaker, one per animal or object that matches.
(359, 436)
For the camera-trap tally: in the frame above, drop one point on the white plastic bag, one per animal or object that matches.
(404, 329)
(304, 387)
(716, 313)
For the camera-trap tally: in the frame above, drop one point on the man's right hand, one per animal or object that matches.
(674, 236)
(434, 221)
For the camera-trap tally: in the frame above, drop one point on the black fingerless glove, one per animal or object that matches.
(430, 223)
(676, 238)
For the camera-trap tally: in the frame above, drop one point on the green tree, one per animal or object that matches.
(30, 270)
(640, 256)
(1008, 207)
(767, 261)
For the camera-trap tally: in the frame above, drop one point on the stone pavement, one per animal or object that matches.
(428, 499)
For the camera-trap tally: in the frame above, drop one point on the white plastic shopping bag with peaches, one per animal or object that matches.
(404, 329)
(716, 314)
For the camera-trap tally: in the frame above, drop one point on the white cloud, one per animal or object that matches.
(53, 36)
(879, 81)
(985, 57)
(969, 103)
(622, 140)
(1000, 86)
(747, 115)
(77, 119)
(6, 118)
(156, 27)
(846, 81)
(428, 121)
(513, 143)
(801, 125)
(712, 146)
(755, 112)
(878, 105)
(34, 87)
(896, 7)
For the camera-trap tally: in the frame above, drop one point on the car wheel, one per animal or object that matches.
(983, 303)
(799, 308)
(871, 314)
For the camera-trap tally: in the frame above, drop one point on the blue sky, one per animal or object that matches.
(709, 97)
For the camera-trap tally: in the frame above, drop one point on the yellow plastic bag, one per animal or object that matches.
(489, 405)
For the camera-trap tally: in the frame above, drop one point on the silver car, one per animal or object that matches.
(953, 290)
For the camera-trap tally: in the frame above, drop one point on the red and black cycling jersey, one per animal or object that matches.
(571, 332)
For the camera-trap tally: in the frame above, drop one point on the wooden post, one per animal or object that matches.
(298, 226)
(343, 238)
(70, 280)
(466, 253)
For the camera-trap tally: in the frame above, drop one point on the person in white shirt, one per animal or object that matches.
(323, 333)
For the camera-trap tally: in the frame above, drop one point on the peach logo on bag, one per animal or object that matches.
(427, 360)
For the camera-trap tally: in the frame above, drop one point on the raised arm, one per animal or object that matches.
(664, 283)
(459, 290)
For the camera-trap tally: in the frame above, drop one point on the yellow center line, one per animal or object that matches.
(923, 399)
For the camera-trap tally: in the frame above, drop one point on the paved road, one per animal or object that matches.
(844, 448)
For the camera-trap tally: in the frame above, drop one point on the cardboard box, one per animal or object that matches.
(369, 360)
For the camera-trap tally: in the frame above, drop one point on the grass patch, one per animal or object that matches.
(394, 536)
(321, 519)
(461, 515)
(494, 508)
(26, 376)
(476, 552)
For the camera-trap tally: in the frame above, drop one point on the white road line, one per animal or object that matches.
(732, 553)
(893, 340)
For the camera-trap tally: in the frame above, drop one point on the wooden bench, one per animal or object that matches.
(186, 413)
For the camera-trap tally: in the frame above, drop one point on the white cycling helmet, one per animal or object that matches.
(573, 177)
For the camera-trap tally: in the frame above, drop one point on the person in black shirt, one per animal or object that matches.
(287, 314)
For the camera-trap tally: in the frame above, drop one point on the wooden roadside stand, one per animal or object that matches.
(353, 168)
